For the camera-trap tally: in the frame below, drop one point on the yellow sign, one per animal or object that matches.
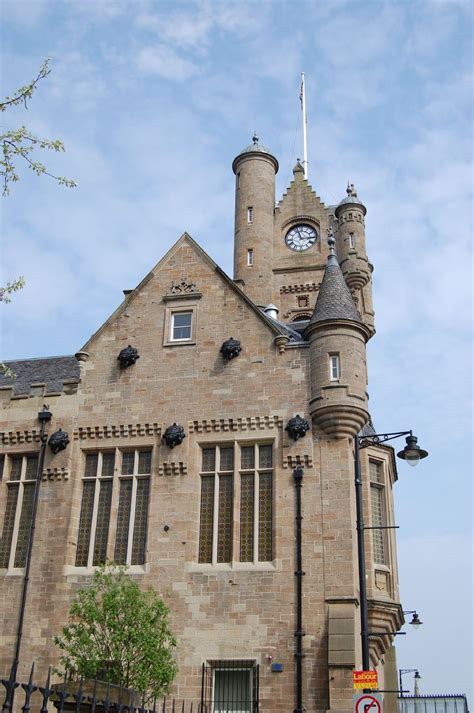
(365, 680)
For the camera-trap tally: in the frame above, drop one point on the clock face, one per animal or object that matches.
(301, 237)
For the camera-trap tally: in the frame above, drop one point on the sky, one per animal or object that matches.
(154, 99)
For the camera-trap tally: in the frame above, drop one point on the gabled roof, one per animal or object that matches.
(52, 372)
(275, 327)
(334, 298)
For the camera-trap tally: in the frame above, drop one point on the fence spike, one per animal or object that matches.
(29, 688)
(93, 698)
(10, 685)
(46, 692)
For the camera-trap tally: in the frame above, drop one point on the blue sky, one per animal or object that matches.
(154, 99)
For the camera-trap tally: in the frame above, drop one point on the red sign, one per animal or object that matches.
(365, 680)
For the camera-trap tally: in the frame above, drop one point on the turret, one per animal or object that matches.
(337, 336)
(351, 240)
(355, 266)
(255, 169)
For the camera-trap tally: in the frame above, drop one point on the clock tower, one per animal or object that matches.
(281, 252)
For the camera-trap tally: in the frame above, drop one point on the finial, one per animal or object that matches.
(349, 189)
(331, 241)
(353, 190)
(255, 137)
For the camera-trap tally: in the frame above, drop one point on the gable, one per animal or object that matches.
(172, 275)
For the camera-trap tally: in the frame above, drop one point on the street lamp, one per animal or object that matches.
(412, 454)
(417, 677)
(415, 620)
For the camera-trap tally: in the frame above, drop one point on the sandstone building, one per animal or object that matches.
(209, 520)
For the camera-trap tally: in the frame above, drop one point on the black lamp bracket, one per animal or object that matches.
(378, 438)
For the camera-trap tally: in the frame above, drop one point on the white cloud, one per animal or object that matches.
(165, 62)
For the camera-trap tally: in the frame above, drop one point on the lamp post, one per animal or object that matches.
(417, 677)
(412, 454)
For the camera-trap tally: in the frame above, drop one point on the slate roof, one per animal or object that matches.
(52, 372)
(292, 334)
(334, 299)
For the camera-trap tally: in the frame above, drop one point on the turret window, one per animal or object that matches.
(352, 240)
(250, 214)
(334, 367)
(377, 503)
(250, 257)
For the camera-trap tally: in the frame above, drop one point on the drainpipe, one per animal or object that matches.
(43, 417)
(299, 574)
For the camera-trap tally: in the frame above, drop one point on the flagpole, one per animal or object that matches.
(303, 109)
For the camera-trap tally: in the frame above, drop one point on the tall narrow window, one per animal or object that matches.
(250, 257)
(18, 511)
(334, 367)
(127, 494)
(377, 502)
(352, 240)
(248, 468)
(250, 214)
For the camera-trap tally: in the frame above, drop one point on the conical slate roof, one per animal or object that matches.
(334, 299)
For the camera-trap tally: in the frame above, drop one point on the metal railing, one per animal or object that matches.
(95, 696)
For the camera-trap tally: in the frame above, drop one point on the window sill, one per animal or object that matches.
(13, 572)
(234, 567)
(72, 571)
(184, 343)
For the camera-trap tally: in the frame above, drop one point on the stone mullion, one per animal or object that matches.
(131, 521)
(95, 507)
(114, 506)
(19, 507)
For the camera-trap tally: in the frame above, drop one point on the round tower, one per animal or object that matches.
(255, 169)
(355, 266)
(337, 337)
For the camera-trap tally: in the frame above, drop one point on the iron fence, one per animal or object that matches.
(83, 697)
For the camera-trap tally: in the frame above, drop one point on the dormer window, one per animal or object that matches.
(250, 214)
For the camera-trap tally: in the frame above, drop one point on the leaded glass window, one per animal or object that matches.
(236, 497)
(21, 473)
(377, 503)
(114, 482)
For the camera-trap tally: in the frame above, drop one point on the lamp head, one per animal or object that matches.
(415, 622)
(417, 675)
(412, 453)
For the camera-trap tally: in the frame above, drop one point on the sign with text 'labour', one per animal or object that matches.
(367, 703)
(364, 680)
